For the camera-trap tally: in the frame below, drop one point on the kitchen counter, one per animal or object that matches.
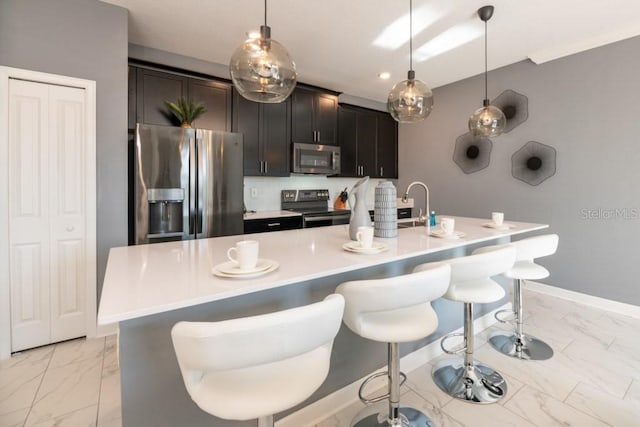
(149, 288)
(148, 279)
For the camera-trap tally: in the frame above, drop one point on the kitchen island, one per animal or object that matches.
(149, 288)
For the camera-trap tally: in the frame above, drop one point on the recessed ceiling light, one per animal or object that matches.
(385, 75)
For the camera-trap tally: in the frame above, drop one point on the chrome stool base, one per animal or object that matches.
(476, 383)
(409, 417)
(525, 348)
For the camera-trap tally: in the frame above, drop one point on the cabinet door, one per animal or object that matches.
(131, 108)
(216, 97)
(347, 137)
(326, 119)
(366, 128)
(387, 162)
(153, 89)
(302, 126)
(276, 138)
(246, 120)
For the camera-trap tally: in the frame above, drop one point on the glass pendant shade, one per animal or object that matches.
(488, 121)
(262, 70)
(410, 101)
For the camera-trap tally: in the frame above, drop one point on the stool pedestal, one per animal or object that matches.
(465, 379)
(517, 344)
(393, 415)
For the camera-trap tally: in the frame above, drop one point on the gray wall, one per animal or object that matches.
(85, 39)
(586, 106)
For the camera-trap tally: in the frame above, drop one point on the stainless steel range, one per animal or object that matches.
(314, 207)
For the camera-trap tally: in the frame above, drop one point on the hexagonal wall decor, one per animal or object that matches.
(515, 107)
(472, 153)
(534, 163)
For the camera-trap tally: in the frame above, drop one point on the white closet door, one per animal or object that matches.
(29, 214)
(47, 189)
(67, 190)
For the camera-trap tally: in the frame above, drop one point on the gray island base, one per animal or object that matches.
(148, 288)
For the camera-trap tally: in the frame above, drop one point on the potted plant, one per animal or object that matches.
(186, 110)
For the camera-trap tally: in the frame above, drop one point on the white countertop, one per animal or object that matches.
(270, 214)
(155, 278)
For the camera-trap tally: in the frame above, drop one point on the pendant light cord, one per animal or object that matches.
(485, 61)
(411, 34)
(265, 14)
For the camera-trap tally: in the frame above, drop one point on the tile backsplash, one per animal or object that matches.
(267, 189)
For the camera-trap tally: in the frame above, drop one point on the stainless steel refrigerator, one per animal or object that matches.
(188, 184)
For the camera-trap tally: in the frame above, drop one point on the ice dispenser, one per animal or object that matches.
(165, 212)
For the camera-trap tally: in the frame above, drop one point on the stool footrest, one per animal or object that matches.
(455, 350)
(501, 316)
(381, 397)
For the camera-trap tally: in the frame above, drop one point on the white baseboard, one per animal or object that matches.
(319, 410)
(106, 330)
(590, 300)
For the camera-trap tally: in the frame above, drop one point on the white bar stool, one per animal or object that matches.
(394, 310)
(516, 343)
(254, 367)
(464, 378)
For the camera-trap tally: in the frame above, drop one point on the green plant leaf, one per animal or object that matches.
(186, 110)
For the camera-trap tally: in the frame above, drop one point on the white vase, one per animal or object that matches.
(359, 212)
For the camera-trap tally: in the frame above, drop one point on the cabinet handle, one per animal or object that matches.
(318, 140)
(70, 228)
(266, 167)
(381, 171)
(260, 166)
(273, 224)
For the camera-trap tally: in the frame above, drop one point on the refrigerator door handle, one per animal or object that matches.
(193, 195)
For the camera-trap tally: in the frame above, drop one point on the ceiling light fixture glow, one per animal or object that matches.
(395, 34)
(452, 38)
(385, 75)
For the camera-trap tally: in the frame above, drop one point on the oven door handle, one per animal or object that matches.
(324, 218)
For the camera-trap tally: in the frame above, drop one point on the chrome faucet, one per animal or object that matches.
(421, 217)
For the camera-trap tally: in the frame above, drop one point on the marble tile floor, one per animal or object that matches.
(593, 379)
(70, 384)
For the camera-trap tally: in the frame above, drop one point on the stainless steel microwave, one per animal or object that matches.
(317, 159)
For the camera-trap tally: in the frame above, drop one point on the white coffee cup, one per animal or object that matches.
(246, 254)
(365, 236)
(447, 225)
(497, 218)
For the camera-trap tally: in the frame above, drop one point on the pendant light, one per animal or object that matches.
(261, 68)
(410, 100)
(488, 121)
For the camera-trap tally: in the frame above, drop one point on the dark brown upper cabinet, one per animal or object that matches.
(368, 141)
(267, 139)
(153, 88)
(314, 116)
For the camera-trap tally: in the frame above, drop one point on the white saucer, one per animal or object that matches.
(357, 248)
(440, 234)
(230, 269)
(503, 226)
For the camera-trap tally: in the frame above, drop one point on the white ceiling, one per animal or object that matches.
(332, 41)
